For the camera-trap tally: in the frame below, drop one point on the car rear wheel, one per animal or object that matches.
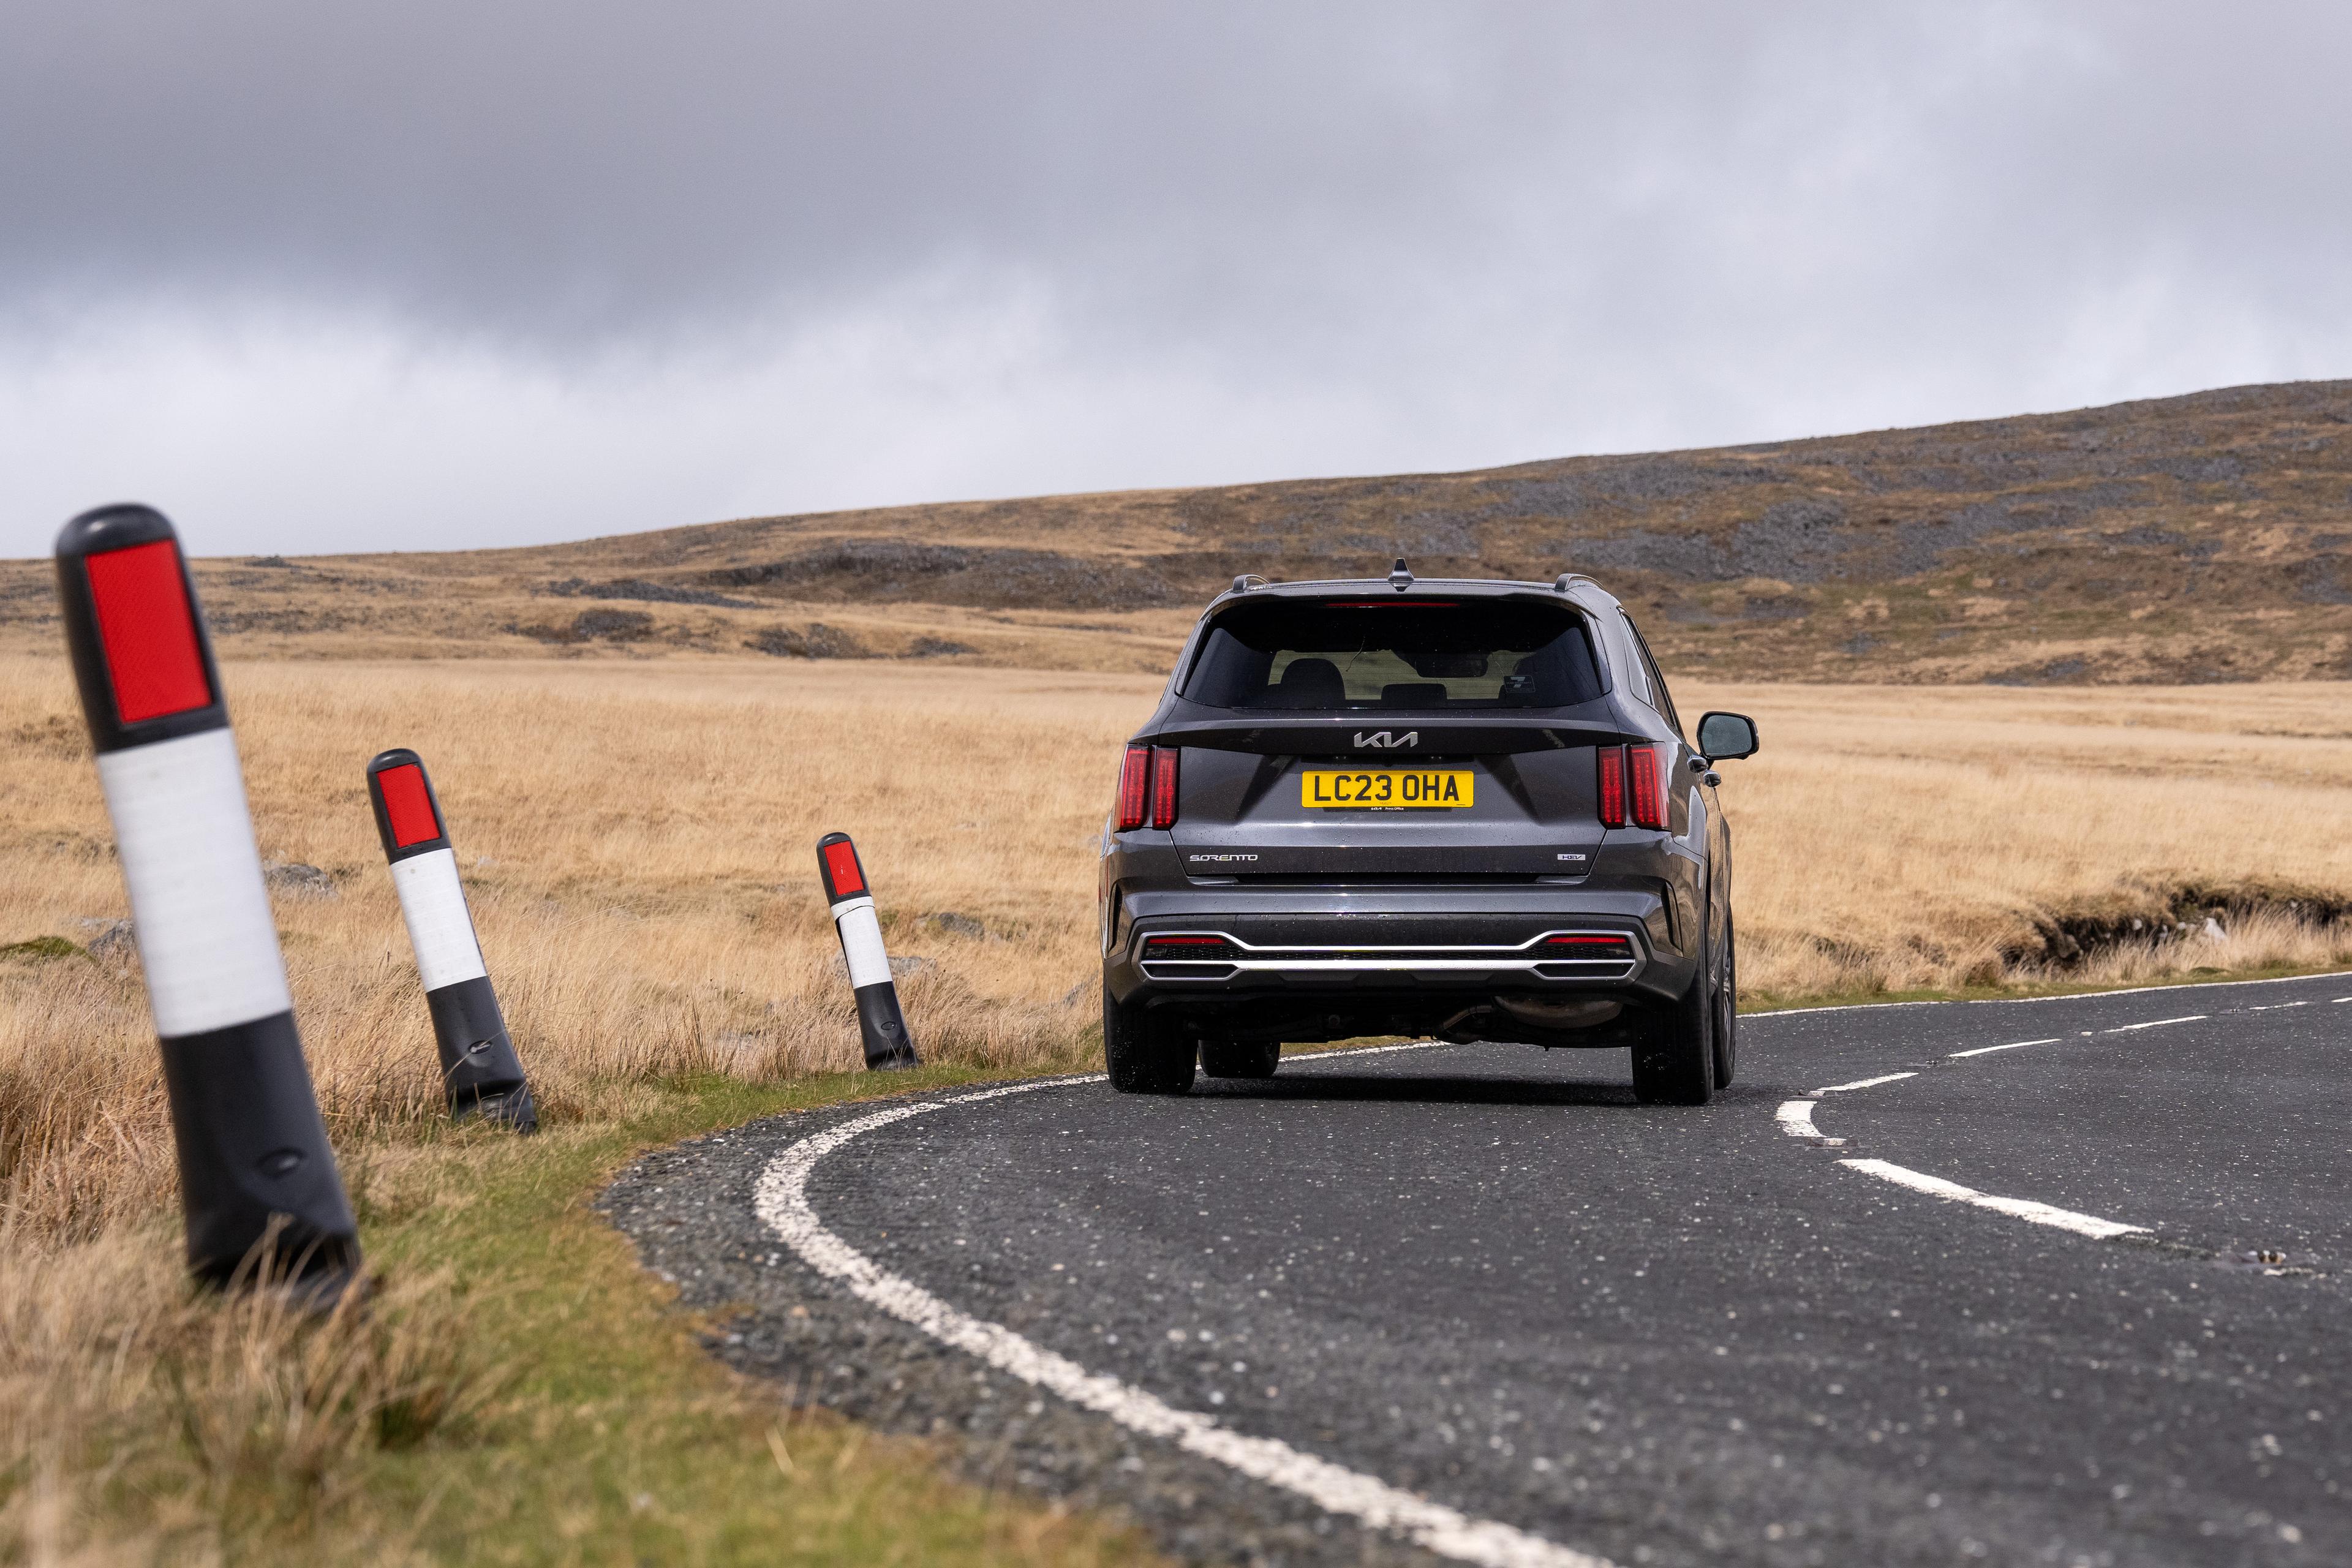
(1143, 1051)
(1675, 1064)
(1240, 1059)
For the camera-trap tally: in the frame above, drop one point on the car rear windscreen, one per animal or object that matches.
(1414, 655)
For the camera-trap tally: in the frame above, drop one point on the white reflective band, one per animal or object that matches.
(861, 944)
(197, 903)
(439, 929)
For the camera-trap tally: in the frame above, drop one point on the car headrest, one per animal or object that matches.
(1311, 683)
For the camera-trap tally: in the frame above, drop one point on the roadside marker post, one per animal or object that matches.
(478, 1065)
(879, 1021)
(262, 1200)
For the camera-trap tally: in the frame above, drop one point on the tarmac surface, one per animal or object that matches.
(1471, 1303)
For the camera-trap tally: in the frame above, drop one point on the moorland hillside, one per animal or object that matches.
(2181, 540)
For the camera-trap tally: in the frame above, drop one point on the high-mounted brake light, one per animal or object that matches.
(1392, 605)
(1163, 786)
(1612, 786)
(1134, 788)
(1648, 785)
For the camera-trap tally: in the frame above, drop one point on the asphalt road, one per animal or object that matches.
(1482, 1276)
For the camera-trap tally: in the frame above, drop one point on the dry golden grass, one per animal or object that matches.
(1893, 839)
(638, 840)
(638, 846)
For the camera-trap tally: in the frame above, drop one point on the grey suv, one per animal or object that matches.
(1458, 810)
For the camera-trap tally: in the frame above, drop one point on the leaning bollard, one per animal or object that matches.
(478, 1065)
(257, 1180)
(888, 1044)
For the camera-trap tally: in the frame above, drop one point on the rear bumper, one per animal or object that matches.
(1408, 952)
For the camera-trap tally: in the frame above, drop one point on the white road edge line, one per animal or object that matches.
(2158, 1023)
(2087, 1225)
(1865, 1083)
(2094, 995)
(1796, 1118)
(781, 1200)
(2014, 1045)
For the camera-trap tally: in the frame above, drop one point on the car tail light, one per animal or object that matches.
(1648, 785)
(1134, 788)
(1163, 786)
(1612, 786)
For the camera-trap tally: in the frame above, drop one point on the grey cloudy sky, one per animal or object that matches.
(330, 276)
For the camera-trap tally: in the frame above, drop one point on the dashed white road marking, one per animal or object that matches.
(1796, 1118)
(2283, 1006)
(781, 1200)
(1864, 1083)
(2087, 1225)
(2014, 1045)
(2158, 1023)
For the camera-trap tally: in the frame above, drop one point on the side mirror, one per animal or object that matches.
(1722, 737)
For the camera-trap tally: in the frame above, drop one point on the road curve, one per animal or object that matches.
(2053, 1281)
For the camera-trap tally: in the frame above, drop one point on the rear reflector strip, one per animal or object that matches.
(1187, 948)
(149, 632)
(409, 805)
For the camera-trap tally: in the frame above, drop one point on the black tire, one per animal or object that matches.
(1674, 1063)
(1143, 1051)
(1240, 1059)
(1726, 1011)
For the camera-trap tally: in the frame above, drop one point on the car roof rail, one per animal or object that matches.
(1246, 580)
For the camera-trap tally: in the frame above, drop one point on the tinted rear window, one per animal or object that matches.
(1405, 655)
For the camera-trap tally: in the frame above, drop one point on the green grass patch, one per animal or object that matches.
(612, 1436)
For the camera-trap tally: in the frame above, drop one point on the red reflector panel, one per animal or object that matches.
(149, 632)
(1163, 786)
(1612, 786)
(1134, 788)
(408, 805)
(1648, 786)
(1614, 941)
(841, 865)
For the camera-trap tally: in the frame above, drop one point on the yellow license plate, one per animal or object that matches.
(1391, 789)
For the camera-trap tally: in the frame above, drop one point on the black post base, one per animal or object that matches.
(888, 1043)
(263, 1200)
(479, 1065)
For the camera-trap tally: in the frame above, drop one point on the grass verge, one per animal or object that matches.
(519, 1392)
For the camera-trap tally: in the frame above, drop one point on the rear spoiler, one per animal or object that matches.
(1351, 734)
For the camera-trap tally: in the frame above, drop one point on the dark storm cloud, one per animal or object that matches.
(1422, 234)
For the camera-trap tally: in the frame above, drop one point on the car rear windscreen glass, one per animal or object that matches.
(1404, 655)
